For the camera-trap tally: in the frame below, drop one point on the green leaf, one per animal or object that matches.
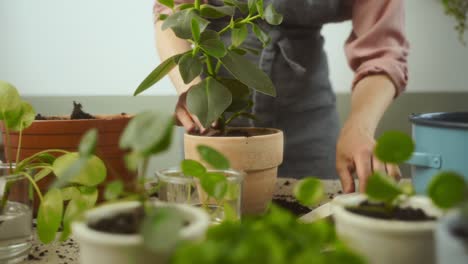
(74, 210)
(208, 100)
(113, 190)
(88, 172)
(185, 6)
(382, 188)
(70, 193)
(181, 23)
(192, 168)
(162, 17)
(239, 51)
(259, 4)
(148, 133)
(49, 216)
(21, 119)
(247, 73)
(238, 35)
(309, 191)
(252, 7)
(195, 30)
(261, 35)
(161, 229)
(88, 143)
(168, 3)
(157, 74)
(42, 174)
(10, 101)
(212, 44)
(394, 147)
(214, 184)
(447, 189)
(243, 7)
(89, 195)
(271, 16)
(189, 67)
(213, 157)
(240, 94)
(214, 12)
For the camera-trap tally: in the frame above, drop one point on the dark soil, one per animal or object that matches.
(77, 113)
(460, 232)
(127, 223)
(379, 211)
(292, 205)
(233, 132)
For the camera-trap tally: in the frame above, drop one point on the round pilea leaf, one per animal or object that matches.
(213, 157)
(49, 216)
(394, 147)
(73, 169)
(113, 190)
(192, 168)
(214, 184)
(309, 191)
(382, 188)
(447, 189)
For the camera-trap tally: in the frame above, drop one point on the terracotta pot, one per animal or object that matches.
(66, 134)
(258, 156)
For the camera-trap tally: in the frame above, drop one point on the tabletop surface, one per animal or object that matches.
(67, 252)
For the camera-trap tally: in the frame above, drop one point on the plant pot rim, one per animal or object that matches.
(198, 221)
(237, 175)
(275, 132)
(382, 225)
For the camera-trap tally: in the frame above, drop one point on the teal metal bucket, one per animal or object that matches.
(441, 144)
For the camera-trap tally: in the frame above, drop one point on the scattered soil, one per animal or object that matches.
(460, 232)
(77, 113)
(126, 223)
(379, 211)
(292, 205)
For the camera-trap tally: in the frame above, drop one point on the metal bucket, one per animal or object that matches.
(441, 144)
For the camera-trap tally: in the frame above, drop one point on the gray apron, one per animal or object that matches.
(305, 104)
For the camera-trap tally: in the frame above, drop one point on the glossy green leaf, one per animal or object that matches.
(382, 188)
(113, 190)
(157, 74)
(214, 184)
(88, 143)
(70, 193)
(89, 195)
(161, 229)
(74, 210)
(208, 100)
(243, 7)
(260, 9)
(214, 12)
(238, 35)
(181, 23)
(271, 16)
(168, 3)
(211, 43)
(21, 119)
(261, 35)
(248, 73)
(88, 172)
(213, 157)
(252, 7)
(394, 147)
(10, 101)
(447, 189)
(192, 168)
(49, 216)
(309, 191)
(240, 95)
(195, 30)
(190, 67)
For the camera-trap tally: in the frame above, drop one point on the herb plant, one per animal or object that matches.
(78, 173)
(216, 97)
(458, 9)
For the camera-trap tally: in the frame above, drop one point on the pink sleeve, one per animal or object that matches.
(377, 43)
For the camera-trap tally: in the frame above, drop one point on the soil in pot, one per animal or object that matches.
(125, 223)
(234, 132)
(381, 211)
(77, 113)
(460, 232)
(289, 203)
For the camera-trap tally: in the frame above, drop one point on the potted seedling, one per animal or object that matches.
(276, 237)
(388, 224)
(449, 190)
(222, 98)
(65, 132)
(131, 227)
(79, 173)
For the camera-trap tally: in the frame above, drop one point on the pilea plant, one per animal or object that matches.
(78, 173)
(458, 9)
(217, 97)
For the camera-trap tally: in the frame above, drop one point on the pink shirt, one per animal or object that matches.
(377, 43)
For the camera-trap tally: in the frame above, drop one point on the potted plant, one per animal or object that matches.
(220, 99)
(65, 132)
(458, 9)
(78, 174)
(449, 190)
(388, 224)
(132, 227)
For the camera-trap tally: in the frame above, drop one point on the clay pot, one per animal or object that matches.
(258, 156)
(66, 134)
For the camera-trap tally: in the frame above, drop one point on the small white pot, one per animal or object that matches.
(449, 248)
(386, 241)
(105, 248)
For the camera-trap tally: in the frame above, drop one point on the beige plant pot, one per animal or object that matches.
(258, 156)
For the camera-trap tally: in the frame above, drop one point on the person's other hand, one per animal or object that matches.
(354, 154)
(185, 118)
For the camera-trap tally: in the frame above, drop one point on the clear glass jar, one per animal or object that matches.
(15, 216)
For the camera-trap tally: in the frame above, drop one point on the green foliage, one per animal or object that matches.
(214, 184)
(89, 171)
(309, 191)
(214, 158)
(394, 147)
(447, 189)
(458, 9)
(192, 168)
(88, 143)
(113, 190)
(49, 215)
(382, 188)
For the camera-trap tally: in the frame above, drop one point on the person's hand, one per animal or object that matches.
(354, 154)
(185, 118)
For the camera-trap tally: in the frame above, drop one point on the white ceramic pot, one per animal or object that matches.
(106, 248)
(450, 249)
(385, 241)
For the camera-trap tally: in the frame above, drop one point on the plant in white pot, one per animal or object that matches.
(388, 224)
(132, 227)
(220, 98)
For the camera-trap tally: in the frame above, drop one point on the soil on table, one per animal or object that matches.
(125, 223)
(380, 211)
(77, 113)
(289, 203)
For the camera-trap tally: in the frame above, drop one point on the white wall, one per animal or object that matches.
(106, 47)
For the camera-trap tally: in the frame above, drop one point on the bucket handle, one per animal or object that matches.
(425, 160)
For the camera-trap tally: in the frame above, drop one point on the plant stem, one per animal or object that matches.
(141, 176)
(244, 21)
(197, 4)
(8, 146)
(218, 67)
(18, 149)
(209, 66)
(33, 183)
